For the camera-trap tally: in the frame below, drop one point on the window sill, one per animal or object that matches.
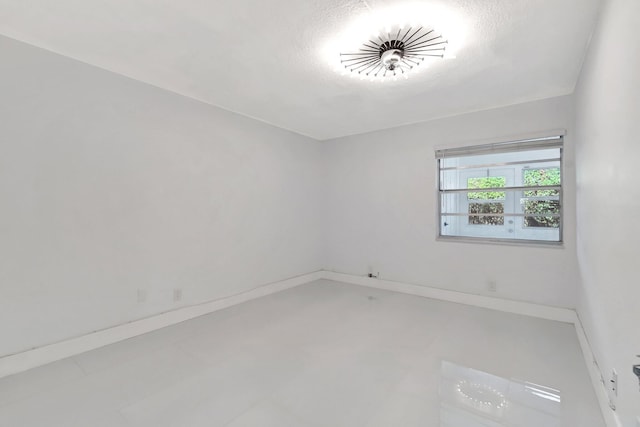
(503, 242)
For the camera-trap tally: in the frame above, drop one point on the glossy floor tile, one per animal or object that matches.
(322, 354)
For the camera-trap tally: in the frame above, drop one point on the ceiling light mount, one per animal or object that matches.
(391, 54)
(394, 52)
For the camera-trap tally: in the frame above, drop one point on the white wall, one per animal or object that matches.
(382, 209)
(608, 197)
(108, 185)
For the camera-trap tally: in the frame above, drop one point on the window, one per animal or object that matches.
(510, 191)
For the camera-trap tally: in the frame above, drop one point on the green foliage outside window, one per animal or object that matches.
(541, 178)
(486, 182)
(480, 196)
(486, 208)
(540, 202)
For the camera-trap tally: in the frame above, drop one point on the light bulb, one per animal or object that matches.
(391, 58)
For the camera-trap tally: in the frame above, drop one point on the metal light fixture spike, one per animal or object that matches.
(415, 32)
(405, 34)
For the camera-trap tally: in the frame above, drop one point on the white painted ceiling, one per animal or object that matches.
(267, 58)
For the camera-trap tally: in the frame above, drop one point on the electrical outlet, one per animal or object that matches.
(142, 295)
(372, 272)
(177, 295)
(492, 286)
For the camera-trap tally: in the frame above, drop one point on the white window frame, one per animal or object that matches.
(550, 140)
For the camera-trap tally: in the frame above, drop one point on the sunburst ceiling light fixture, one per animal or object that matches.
(394, 52)
(397, 41)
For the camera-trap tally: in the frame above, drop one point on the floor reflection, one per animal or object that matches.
(472, 398)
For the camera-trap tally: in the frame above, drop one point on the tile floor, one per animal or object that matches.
(322, 354)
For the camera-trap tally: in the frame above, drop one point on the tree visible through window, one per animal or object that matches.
(541, 202)
(483, 202)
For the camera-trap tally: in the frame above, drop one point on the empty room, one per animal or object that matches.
(306, 213)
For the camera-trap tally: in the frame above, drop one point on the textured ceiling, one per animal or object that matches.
(268, 59)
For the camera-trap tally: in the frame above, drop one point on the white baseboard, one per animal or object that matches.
(610, 417)
(525, 308)
(565, 315)
(19, 362)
